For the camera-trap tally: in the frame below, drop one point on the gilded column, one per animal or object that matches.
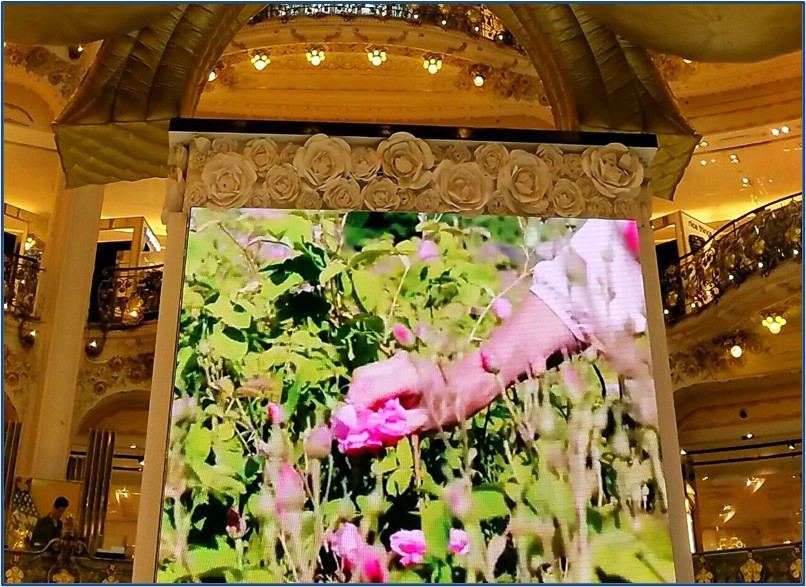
(68, 262)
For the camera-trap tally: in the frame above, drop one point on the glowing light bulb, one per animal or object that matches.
(212, 77)
(315, 56)
(736, 351)
(260, 61)
(377, 57)
(775, 132)
(478, 80)
(785, 129)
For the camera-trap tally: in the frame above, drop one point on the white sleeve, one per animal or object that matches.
(594, 285)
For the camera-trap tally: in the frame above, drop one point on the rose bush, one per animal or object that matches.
(271, 477)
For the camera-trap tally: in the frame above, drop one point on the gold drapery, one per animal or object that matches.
(724, 33)
(73, 23)
(115, 127)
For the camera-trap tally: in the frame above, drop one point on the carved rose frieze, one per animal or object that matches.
(18, 378)
(62, 75)
(99, 379)
(406, 173)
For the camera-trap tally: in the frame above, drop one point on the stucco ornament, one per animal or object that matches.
(614, 170)
(228, 178)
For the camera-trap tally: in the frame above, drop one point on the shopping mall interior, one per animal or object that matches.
(89, 92)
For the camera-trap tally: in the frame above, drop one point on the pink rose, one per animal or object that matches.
(365, 430)
(373, 561)
(489, 362)
(458, 542)
(317, 444)
(629, 232)
(409, 545)
(502, 308)
(403, 336)
(236, 525)
(276, 414)
(428, 251)
(346, 543)
(289, 489)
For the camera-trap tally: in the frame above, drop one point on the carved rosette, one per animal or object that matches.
(121, 373)
(405, 173)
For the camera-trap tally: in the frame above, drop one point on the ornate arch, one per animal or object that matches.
(115, 127)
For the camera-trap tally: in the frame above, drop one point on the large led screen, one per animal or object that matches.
(391, 397)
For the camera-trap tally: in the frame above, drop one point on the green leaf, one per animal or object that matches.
(227, 348)
(331, 271)
(489, 504)
(198, 442)
(260, 576)
(404, 576)
(399, 481)
(223, 309)
(436, 523)
(218, 480)
(369, 289)
(203, 561)
(403, 453)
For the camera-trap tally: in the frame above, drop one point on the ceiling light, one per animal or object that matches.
(687, 61)
(785, 129)
(260, 61)
(478, 80)
(501, 37)
(143, 463)
(703, 162)
(32, 333)
(213, 75)
(775, 132)
(791, 446)
(432, 64)
(133, 446)
(734, 159)
(315, 56)
(748, 436)
(745, 181)
(476, 29)
(736, 351)
(702, 144)
(705, 478)
(444, 22)
(773, 323)
(376, 57)
(682, 452)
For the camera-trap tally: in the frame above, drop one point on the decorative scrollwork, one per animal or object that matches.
(754, 244)
(774, 564)
(129, 295)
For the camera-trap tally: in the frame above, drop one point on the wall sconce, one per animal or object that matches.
(376, 56)
(26, 335)
(432, 63)
(260, 59)
(95, 346)
(773, 323)
(315, 56)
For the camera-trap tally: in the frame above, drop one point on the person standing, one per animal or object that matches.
(50, 526)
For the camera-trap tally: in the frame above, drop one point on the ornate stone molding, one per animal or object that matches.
(405, 173)
(64, 76)
(18, 377)
(711, 358)
(98, 380)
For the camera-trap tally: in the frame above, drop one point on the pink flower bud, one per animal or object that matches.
(289, 489)
(276, 414)
(373, 560)
(459, 543)
(403, 336)
(421, 331)
(502, 308)
(236, 525)
(318, 442)
(629, 232)
(428, 251)
(490, 363)
(459, 499)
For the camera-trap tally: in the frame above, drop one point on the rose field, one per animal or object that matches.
(273, 474)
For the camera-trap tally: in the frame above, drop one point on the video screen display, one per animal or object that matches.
(409, 398)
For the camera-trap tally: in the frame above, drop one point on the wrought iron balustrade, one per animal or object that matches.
(20, 282)
(473, 19)
(755, 243)
(127, 296)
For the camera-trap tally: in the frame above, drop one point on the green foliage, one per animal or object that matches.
(284, 308)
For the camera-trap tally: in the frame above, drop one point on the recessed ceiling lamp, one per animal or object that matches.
(315, 56)
(745, 181)
(773, 323)
(785, 129)
(736, 351)
(212, 77)
(376, 57)
(734, 159)
(478, 80)
(260, 60)
(748, 436)
(432, 63)
(775, 132)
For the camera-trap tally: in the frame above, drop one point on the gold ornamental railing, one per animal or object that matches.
(127, 296)
(754, 244)
(472, 19)
(20, 282)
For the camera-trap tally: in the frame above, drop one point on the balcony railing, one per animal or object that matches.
(129, 295)
(20, 281)
(755, 243)
(775, 564)
(473, 19)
